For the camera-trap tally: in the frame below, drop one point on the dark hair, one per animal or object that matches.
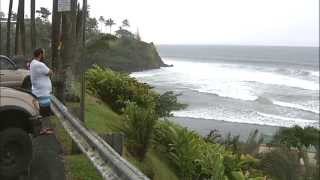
(37, 52)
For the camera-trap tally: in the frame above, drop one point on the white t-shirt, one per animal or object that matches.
(40, 80)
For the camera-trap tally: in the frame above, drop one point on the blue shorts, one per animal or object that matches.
(44, 103)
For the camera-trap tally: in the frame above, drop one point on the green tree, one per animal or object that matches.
(110, 22)
(138, 127)
(168, 102)
(298, 137)
(91, 25)
(125, 23)
(102, 21)
(44, 13)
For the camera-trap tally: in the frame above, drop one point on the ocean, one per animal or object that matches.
(244, 87)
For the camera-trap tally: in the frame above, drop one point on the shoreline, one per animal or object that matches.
(204, 126)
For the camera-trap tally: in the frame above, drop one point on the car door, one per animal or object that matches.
(8, 74)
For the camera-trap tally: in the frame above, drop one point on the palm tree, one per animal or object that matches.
(109, 22)
(102, 21)
(9, 28)
(125, 23)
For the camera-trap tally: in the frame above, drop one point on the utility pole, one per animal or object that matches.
(83, 83)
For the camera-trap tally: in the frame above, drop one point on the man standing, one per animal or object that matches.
(41, 84)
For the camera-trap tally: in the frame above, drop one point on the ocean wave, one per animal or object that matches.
(238, 93)
(288, 121)
(297, 106)
(251, 118)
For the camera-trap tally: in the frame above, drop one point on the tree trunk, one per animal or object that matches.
(84, 17)
(68, 49)
(23, 29)
(20, 39)
(17, 37)
(56, 60)
(9, 29)
(33, 32)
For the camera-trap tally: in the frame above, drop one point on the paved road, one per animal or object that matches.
(47, 163)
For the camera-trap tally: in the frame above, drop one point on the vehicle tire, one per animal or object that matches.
(26, 84)
(15, 152)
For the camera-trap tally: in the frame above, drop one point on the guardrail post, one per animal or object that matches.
(115, 140)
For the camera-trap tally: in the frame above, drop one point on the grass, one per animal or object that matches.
(100, 118)
(81, 168)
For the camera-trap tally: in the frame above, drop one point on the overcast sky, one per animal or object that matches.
(234, 22)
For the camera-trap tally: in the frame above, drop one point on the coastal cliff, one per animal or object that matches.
(123, 54)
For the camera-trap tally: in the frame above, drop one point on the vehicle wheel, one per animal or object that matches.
(26, 84)
(15, 152)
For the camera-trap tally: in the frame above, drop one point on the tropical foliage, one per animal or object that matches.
(191, 155)
(138, 125)
(117, 89)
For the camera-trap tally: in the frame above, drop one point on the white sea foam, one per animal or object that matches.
(314, 109)
(250, 118)
(314, 73)
(236, 81)
(225, 80)
(288, 121)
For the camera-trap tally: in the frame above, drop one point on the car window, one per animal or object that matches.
(6, 65)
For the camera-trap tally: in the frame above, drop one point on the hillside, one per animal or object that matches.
(122, 54)
(101, 119)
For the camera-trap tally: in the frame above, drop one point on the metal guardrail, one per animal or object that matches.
(108, 162)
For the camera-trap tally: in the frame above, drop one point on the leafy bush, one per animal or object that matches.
(138, 125)
(118, 89)
(298, 137)
(168, 102)
(282, 164)
(251, 146)
(191, 155)
(233, 143)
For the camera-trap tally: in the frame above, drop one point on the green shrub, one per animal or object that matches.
(168, 102)
(190, 154)
(297, 137)
(282, 164)
(118, 89)
(138, 125)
